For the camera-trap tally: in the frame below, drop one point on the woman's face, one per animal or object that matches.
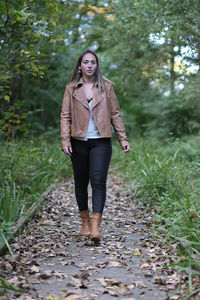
(88, 65)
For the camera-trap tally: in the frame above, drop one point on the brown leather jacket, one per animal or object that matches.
(75, 113)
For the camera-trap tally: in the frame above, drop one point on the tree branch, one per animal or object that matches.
(8, 17)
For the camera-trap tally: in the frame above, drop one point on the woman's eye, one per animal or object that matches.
(86, 61)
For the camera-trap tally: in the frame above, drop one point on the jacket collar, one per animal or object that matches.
(80, 82)
(79, 94)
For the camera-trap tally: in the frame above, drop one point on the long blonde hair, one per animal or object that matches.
(98, 78)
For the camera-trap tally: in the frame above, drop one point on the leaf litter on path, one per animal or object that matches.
(54, 262)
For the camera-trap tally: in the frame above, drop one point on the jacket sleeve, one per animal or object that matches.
(116, 119)
(65, 120)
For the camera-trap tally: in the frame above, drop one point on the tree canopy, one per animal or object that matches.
(149, 49)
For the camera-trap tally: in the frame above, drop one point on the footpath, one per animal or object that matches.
(53, 261)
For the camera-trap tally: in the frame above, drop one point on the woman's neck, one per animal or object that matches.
(87, 79)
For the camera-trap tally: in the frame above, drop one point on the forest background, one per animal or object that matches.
(151, 51)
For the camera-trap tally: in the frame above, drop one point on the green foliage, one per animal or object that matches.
(3, 239)
(27, 169)
(176, 115)
(7, 286)
(39, 46)
(154, 44)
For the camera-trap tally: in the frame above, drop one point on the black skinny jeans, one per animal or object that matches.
(90, 161)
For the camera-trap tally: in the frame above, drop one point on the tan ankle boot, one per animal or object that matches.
(86, 228)
(95, 227)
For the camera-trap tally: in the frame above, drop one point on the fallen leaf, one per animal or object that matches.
(46, 275)
(52, 297)
(137, 253)
(127, 252)
(35, 269)
(114, 264)
(144, 266)
(140, 284)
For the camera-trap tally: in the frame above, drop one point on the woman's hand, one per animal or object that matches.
(126, 148)
(67, 150)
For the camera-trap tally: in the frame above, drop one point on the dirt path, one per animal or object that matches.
(55, 262)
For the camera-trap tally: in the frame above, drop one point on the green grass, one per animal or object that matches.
(7, 286)
(27, 169)
(166, 176)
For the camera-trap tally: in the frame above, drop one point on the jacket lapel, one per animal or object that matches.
(98, 97)
(79, 94)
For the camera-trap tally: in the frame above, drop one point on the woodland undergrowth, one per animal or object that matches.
(27, 169)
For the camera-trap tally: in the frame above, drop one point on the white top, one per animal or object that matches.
(92, 131)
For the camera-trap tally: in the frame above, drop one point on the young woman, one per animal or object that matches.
(89, 109)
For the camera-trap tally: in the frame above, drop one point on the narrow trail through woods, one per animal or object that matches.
(54, 262)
